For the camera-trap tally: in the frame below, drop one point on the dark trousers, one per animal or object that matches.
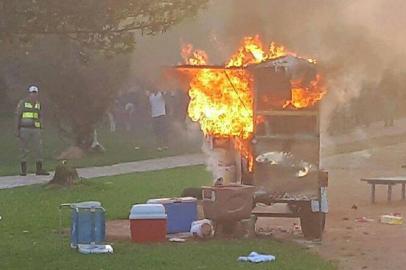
(159, 124)
(30, 142)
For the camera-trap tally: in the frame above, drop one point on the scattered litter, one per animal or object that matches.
(255, 257)
(345, 218)
(364, 219)
(1, 217)
(95, 249)
(137, 148)
(202, 228)
(177, 240)
(354, 206)
(391, 219)
(25, 231)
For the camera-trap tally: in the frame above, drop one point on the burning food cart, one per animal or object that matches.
(260, 115)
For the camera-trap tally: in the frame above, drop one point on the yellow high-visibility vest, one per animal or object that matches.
(31, 112)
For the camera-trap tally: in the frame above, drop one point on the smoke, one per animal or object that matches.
(354, 41)
(220, 162)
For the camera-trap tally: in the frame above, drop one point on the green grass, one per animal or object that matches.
(120, 147)
(29, 225)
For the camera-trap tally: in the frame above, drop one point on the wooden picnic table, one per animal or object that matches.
(389, 181)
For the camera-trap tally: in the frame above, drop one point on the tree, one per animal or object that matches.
(76, 34)
(102, 24)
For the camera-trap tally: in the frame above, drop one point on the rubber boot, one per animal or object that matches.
(40, 170)
(23, 165)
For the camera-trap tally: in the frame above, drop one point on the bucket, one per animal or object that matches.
(228, 173)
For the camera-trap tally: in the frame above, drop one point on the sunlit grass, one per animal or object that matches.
(29, 225)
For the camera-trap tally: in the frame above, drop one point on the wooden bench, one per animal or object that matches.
(389, 181)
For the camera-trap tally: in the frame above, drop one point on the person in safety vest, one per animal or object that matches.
(29, 125)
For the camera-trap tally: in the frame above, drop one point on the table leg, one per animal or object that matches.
(403, 191)
(389, 193)
(373, 193)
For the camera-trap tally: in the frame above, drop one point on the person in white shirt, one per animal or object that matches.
(158, 113)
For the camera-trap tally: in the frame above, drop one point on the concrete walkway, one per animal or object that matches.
(359, 134)
(329, 146)
(117, 169)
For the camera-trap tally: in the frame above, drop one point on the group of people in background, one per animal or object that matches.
(166, 111)
(131, 112)
(134, 109)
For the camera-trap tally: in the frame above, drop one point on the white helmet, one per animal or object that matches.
(33, 89)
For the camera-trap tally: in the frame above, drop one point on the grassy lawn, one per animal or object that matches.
(29, 240)
(120, 147)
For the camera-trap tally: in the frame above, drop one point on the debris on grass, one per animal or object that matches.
(202, 228)
(364, 219)
(95, 249)
(177, 240)
(255, 257)
(391, 219)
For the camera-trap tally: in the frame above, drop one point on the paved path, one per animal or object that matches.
(117, 169)
(329, 144)
(359, 134)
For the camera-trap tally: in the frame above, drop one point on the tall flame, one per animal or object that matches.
(222, 99)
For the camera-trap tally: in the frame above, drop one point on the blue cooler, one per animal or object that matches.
(181, 212)
(88, 224)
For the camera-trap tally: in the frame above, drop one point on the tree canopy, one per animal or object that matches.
(68, 39)
(101, 24)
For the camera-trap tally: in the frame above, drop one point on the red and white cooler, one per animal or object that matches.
(148, 223)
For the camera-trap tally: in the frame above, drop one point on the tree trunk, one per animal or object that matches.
(65, 175)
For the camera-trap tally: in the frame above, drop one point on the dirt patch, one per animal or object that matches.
(118, 230)
(363, 245)
(353, 244)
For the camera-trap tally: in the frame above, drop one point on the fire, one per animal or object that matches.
(253, 51)
(303, 97)
(193, 57)
(221, 101)
(222, 98)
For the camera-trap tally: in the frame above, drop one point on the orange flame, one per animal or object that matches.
(193, 57)
(252, 52)
(303, 97)
(222, 99)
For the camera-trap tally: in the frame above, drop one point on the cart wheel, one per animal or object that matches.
(312, 224)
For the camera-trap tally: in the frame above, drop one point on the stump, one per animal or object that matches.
(64, 175)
